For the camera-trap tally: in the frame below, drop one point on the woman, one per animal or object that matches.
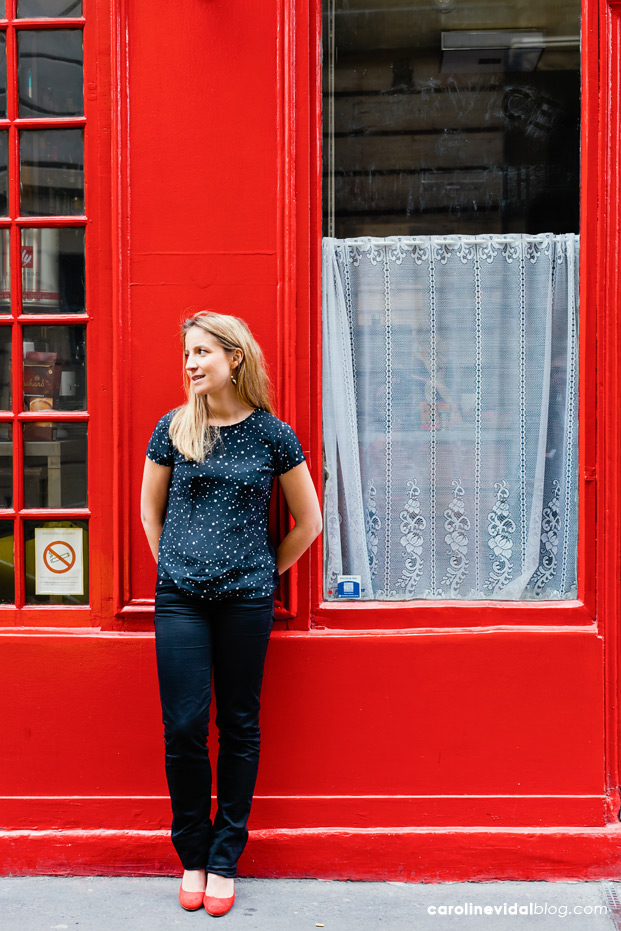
(206, 488)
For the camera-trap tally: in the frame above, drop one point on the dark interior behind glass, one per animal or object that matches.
(450, 116)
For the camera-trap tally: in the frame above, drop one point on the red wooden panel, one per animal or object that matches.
(456, 714)
(203, 176)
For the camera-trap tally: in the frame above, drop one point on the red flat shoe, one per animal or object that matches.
(190, 900)
(216, 906)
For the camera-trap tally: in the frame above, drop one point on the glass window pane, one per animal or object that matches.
(4, 178)
(2, 69)
(6, 465)
(54, 368)
(5, 272)
(5, 368)
(451, 212)
(49, 72)
(52, 172)
(443, 120)
(56, 561)
(55, 465)
(7, 563)
(37, 9)
(53, 270)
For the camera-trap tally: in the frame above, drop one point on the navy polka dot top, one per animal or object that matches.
(215, 542)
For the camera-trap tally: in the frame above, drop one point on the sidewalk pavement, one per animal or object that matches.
(98, 903)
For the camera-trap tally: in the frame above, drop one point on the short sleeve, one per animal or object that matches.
(288, 449)
(160, 448)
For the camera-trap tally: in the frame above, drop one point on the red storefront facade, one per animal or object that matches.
(420, 740)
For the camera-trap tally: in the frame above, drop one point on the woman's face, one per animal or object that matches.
(208, 365)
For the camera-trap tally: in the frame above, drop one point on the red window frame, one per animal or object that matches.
(596, 365)
(97, 319)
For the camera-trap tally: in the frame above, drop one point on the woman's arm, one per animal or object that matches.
(153, 501)
(301, 498)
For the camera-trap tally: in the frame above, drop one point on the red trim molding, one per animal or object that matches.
(603, 181)
(388, 854)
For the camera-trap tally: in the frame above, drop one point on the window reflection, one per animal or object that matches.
(2, 69)
(5, 272)
(52, 172)
(37, 9)
(7, 563)
(76, 552)
(5, 368)
(53, 270)
(55, 465)
(49, 72)
(4, 179)
(450, 121)
(6, 465)
(54, 368)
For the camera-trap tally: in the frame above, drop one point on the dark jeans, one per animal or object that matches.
(192, 637)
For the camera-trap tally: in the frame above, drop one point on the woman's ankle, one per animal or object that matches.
(220, 886)
(194, 880)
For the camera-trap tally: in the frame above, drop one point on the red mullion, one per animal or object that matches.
(49, 319)
(31, 222)
(56, 416)
(18, 468)
(67, 23)
(50, 122)
(55, 513)
(15, 272)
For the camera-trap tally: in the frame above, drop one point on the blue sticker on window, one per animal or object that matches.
(348, 586)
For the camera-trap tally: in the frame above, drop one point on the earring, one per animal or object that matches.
(233, 379)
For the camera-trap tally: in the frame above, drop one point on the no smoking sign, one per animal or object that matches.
(58, 558)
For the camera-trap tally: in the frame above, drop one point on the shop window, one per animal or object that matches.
(37, 9)
(450, 297)
(44, 312)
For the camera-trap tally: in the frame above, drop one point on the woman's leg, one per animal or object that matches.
(241, 631)
(184, 657)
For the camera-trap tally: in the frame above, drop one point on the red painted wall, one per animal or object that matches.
(203, 188)
(483, 748)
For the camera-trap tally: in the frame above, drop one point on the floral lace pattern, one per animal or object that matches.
(456, 525)
(550, 526)
(501, 528)
(373, 525)
(450, 415)
(412, 526)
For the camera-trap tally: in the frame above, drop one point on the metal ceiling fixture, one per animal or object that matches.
(491, 50)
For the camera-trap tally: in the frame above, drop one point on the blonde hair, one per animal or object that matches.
(190, 430)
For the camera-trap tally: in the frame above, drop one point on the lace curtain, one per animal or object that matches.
(450, 416)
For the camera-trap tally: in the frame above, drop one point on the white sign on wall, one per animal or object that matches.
(58, 561)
